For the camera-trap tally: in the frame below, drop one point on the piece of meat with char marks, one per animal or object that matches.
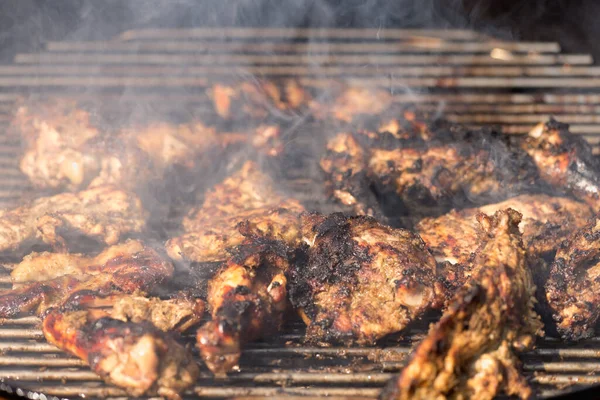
(248, 299)
(565, 161)
(127, 268)
(247, 197)
(359, 280)
(137, 357)
(104, 214)
(472, 351)
(571, 291)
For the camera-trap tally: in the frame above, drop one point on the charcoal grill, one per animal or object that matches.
(472, 78)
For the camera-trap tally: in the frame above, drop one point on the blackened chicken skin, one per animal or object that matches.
(472, 351)
(104, 214)
(565, 161)
(571, 290)
(133, 268)
(360, 280)
(137, 357)
(246, 197)
(248, 298)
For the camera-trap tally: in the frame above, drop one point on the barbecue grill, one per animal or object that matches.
(471, 78)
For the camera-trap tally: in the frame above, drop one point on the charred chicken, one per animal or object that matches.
(472, 351)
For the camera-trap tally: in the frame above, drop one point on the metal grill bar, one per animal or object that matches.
(342, 59)
(434, 46)
(297, 33)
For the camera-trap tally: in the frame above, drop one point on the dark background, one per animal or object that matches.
(26, 24)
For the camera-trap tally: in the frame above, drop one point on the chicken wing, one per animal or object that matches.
(104, 214)
(248, 298)
(360, 280)
(472, 351)
(248, 196)
(571, 293)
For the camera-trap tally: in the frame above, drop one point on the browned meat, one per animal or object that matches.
(351, 102)
(65, 149)
(258, 99)
(546, 221)
(248, 298)
(104, 213)
(132, 267)
(571, 292)
(360, 280)
(565, 161)
(248, 197)
(416, 168)
(137, 357)
(344, 163)
(472, 351)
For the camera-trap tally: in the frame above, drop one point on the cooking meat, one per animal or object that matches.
(472, 351)
(345, 166)
(248, 196)
(565, 160)
(65, 149)
(546, 221)
(248, 299)
(132, 267)
(570, 290)
(360, 280)
(103, 213)
(416, 168)
(258, 99)
(455, 168)
(137, 357)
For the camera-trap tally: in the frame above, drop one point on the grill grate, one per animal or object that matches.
(471, 78)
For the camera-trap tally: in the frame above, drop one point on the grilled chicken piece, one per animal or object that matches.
(546, 221)
(104, 213)
(132, 267)
(472, 351)
(248, 298)
(455, 168)
(361, 280)
(415, 168)
(258, 99)
(352, 102)
(344, 164)
(65, 149)
(571, 293)
(247, 197)
(137, 357)
(565, 161)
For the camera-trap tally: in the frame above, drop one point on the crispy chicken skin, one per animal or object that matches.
(546, 221)
(137, 357)
(246, 197)
(471, 353)
(360, 280)
(565, 160)
(571, 293)
(248, 298)
(104, 214)
(132, 268)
